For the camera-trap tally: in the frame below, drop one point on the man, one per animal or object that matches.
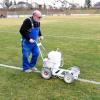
(30, 31)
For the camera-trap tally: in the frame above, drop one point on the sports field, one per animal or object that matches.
(78, 38)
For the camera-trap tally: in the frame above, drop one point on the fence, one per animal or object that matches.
(23, 12)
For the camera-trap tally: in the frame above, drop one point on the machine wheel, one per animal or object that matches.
(68, 78)
(46, 73)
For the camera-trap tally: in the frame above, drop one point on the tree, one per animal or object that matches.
(87, 3)
(97, 5)
(7, 3)
(14, 2)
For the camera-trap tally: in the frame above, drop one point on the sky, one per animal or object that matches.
(80, 2)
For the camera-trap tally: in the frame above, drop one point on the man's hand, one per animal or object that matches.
(41, 38)
(31, 41)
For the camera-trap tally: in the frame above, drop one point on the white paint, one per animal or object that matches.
(72, 37)
(88, 81)
(13, 67)
(60, 36)
(82, 80)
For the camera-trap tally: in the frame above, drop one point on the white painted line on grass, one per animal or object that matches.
(82, 80)
(60, 36)
(72, 37)
(13, 67)
(88, 81)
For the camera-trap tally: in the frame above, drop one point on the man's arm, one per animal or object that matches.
(40, 34)
(24, 30)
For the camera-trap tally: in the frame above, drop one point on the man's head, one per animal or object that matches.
(37, 15)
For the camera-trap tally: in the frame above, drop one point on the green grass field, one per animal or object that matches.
(79, 41)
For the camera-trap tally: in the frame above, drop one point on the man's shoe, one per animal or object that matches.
(34, 69)
(28, 71)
